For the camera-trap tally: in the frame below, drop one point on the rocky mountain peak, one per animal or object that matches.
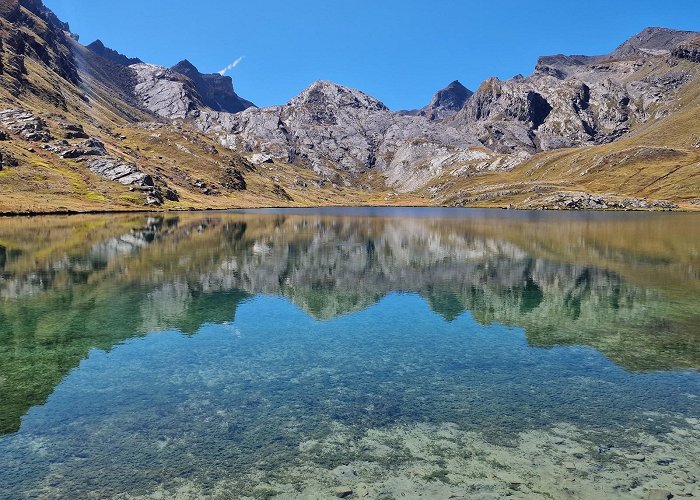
(445, 103)
(452, 97)
(99, 48)
(652, 41)
(185, 67)
(323, 93)
(216, 90)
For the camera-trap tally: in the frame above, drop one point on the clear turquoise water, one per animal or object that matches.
(209, 348)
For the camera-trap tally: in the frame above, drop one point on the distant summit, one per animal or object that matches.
(98, 48)
(653, 41)
(446, 102)
(449, 100)
(323, 94)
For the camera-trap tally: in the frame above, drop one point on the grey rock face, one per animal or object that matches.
(568, 101)
(578, 100)
(90, 147)
(183, 92)
(215, 90)
(689, 50)
(165, 92)
(331, 128)
(73, 131)
(260, 158)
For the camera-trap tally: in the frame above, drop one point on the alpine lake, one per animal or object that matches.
(358, 353)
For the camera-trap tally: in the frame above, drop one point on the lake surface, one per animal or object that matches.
(395, 352)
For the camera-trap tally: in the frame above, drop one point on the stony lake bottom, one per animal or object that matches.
(393, 353)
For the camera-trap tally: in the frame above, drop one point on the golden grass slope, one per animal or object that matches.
(659, 160)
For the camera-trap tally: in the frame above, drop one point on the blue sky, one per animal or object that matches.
(400, 51)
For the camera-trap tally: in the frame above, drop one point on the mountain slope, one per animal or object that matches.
(75, 135)
(86, 128)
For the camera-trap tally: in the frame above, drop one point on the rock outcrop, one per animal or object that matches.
(689, 50)
(26, 124)
(586, 201)
(129, 174)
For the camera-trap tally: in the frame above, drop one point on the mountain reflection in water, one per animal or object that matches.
(624, 284)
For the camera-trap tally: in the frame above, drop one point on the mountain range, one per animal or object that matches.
(85, 128)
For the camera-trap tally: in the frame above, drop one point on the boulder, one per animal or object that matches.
(7, 160)
(73, 131)
(260, 158)
(279, 191)
(233, 179)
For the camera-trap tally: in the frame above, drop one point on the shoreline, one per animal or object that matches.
(43, 213)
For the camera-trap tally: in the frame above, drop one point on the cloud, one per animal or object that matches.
(231, 66)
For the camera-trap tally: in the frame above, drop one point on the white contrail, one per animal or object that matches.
(231, 66)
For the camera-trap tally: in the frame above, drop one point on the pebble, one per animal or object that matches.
(658, 494)
(343, 491)
(569, 465)
(361, 491)
(513, 482)
(636, 458)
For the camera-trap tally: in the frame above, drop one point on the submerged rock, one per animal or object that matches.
(343, 491)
